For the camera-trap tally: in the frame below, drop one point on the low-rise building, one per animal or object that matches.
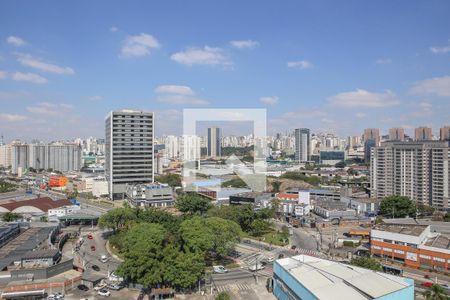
(363, 206)
(150, 195)
(7, 232)
(99, 187)
(308, 277)
(39, 259)
(254, 198)
(415, 245)
(333, 210)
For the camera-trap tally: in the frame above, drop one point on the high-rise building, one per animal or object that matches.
(214, 146)
(372, 134)
(445, 133)
(302, 144)
(423, 134)
(129, 150)
(397, 134)
(172, 146)
(19, 157)
(190, 148)
(418, 170)
(5, 155)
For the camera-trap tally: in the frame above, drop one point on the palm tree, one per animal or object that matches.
(436, 292)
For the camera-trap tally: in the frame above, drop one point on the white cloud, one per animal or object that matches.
(244, 44)
(300, 64)
(363, 98)
(437, 86)
(16, 41)
(96, 98)
(199, 56)
(3, 74)
(139, 45)
(269, 100)
(30, 77)
(181, 100)
(360, 115)
(113, 29)
(383, 61)
(12, 118)
(174, 89)
(440, 50)
(28, 60)
(50, 109)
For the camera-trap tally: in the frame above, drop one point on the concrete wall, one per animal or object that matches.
(42, 273)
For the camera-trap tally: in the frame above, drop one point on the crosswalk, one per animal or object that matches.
(233, 287)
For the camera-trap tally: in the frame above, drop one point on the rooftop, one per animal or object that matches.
(406, 229)
(439, 241)
(40, 254)
(325, 279)
(43, 203)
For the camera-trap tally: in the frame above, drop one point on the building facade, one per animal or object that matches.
(423, 134)
(302, 144)
(214, 146)
(129, 150)
(397, 134)
(418, 170)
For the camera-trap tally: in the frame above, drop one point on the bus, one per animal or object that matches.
(392, 270)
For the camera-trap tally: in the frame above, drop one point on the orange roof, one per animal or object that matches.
(286, 196)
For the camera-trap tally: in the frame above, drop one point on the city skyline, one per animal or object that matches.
(313, 71)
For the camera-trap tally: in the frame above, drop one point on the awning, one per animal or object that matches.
(23, 293)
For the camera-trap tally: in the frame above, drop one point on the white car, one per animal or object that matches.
(219, 269)
(103, 258)
(104, 293)
(256, 267)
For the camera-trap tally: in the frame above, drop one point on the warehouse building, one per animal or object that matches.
(308, 277)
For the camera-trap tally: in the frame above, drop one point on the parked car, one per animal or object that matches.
(115, 287)
(103, 258)
(426, 276)
(83, 287)
(446, 286)
(256, 267)
(104, 293)
(92, 248)
(219, 269)
(95, 268)
(90, 236)
(427, 284)
(293, 247)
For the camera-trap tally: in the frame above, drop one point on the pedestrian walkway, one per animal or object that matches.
(233, 287)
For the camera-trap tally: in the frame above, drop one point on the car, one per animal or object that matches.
(82, 287)
(281, 255)
(427, 284)
(95, 268)
(256, 267)
(426, 276)
(92, 248)
(293, 247)
(114, 277)
(446, 286)
(103, 258)
(104, 293)
(90, 236)
(270, 259)
(219, 269)
(115, 287)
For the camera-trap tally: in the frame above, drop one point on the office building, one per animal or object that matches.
(308, 277)
(302, 144)
(423, 134)
(414, 245)
(444, 134)
(418, 170)
(214, 147)
(190, 148)
(129, 150)
(397, 134)
(150, 195)
(331, 157)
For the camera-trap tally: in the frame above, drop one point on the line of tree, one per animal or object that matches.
(313, 180)
(402, 206)
(6, 186)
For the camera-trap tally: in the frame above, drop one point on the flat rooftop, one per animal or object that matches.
(327, 279)
(440, 241)
(415, 230)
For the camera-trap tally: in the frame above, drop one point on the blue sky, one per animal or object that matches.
(336, 66)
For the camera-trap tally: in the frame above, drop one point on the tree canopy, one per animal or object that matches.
(192, 204)
(11, 217)
(173, 180)
(397, 206)
(367, 262)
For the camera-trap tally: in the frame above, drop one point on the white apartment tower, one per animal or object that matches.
(129, 150)
(418, 170)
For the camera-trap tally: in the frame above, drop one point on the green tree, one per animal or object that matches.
(447, 217)
(436, 292)
(397, 206)
(259, 227)
(173, 180)
(196, 235)
(235, 182)
(182, 270)
(192, 204)
(340, 165)
(143, 255)
(223, 296)
(11, 217)
(367, 262)
(6, 186)
(225, 234)
(276, 186)
(117, 218)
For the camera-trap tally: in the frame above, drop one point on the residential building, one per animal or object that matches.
(444, 134)
(308, 277)
(129, 150)
(190, 148)
(302, 144)
(5, 155)
(423, 134)
(414, 245)
(331, 157)
(418, 170)
(214, 146)
(397, 134)
(372, 134)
